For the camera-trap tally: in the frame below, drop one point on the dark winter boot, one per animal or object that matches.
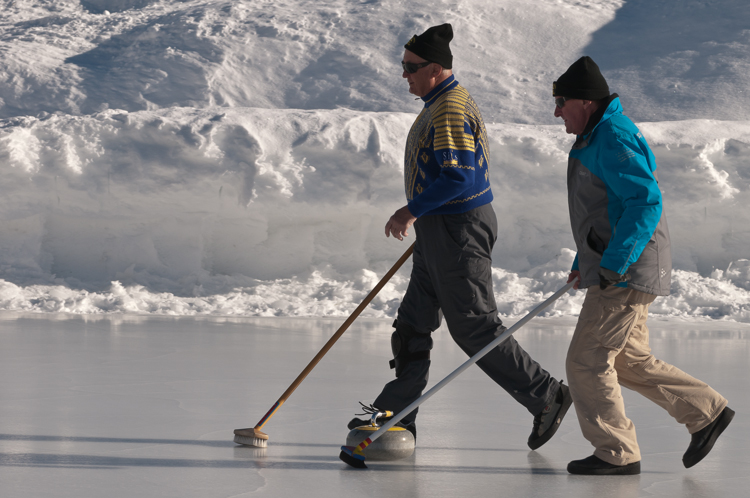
(547, 422)
(357, 422)
(594, 466)
(703, 440)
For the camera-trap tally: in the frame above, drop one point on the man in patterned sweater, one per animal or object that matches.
(446, 175)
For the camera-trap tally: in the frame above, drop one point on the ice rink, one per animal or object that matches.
(130, 406)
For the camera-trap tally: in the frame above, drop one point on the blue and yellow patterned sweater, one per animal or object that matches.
(446, 168)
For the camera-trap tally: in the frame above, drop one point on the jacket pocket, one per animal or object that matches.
(595, 242)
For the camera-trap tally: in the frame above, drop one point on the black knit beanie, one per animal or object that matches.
(432, 45)
(582, 80)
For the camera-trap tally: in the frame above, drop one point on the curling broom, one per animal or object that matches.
(254, 436)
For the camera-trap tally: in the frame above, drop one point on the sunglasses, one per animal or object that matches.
(413, 67)
(560, 101)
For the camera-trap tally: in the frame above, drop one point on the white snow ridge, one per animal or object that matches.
(242, 157)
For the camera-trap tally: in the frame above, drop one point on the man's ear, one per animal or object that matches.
(436, 70)
(590, 106)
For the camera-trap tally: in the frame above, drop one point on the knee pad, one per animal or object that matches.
(400, 346)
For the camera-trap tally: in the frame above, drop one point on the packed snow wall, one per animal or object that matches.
(242, 157)
(198, 203)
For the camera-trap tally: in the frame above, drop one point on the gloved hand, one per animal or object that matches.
(608, 277)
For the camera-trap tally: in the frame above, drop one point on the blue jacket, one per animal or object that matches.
(616, 209)
(447, 160)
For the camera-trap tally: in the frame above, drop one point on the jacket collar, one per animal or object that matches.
(444, 86)
(609, 108)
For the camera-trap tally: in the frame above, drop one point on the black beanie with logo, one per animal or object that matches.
(582, 80)
(432, 45)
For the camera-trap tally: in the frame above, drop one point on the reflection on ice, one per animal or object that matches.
(143, 406)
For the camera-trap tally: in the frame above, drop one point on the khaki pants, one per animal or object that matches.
(610, 348)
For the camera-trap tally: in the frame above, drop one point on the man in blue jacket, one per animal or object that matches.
(623, 259)
(446, 176)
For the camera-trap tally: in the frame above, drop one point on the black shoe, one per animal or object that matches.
(703, 440)
(594, 466)
(368, 410)
(357, 422)
(547, 422)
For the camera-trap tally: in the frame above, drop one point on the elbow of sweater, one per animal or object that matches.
(463, 184)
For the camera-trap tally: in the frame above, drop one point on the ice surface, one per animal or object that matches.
(145, 406)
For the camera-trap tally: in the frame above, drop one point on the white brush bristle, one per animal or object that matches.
(251, 441)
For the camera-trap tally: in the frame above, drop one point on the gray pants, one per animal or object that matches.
(451, 277)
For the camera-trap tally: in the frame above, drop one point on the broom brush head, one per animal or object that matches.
(353, 457)
(251, 437)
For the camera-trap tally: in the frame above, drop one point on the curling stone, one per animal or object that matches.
(395, 444)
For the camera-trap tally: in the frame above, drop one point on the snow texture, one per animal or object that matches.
(242, 158)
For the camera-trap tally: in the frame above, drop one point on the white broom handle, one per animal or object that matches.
(507, 333)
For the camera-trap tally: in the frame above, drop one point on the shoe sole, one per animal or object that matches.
(537, 443)
(726, 416)
(630, 469)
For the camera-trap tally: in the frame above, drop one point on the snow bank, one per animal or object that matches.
(259, 212)
(671, 60)
(241, 157)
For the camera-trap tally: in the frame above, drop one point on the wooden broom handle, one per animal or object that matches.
(349, 321)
